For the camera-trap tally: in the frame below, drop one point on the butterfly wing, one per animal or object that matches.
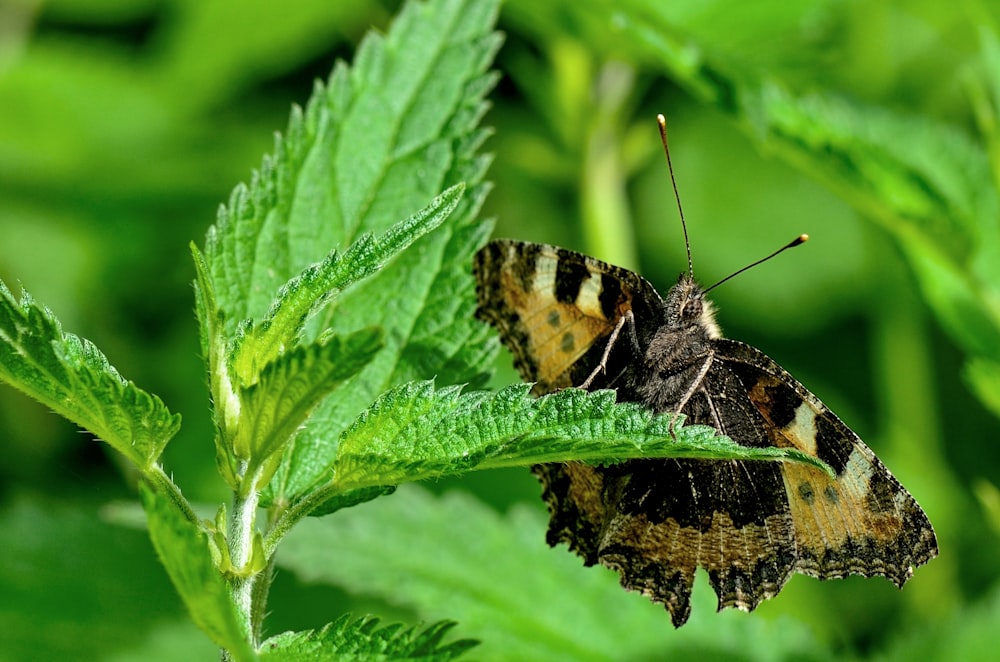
(552, 308)
(862, 521)
(749, 524)
(657, 521)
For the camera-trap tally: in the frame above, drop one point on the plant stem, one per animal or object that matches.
(287, 519)
(261, 587)
(164, 485)
(242, 528)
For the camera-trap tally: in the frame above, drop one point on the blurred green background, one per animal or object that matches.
(125, 123)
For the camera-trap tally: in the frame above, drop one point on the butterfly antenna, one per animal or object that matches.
(801, 239)
(662, 122)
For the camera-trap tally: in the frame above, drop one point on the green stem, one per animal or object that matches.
(261, 588)
(161, 483)
(293, 514)
(242, 529)
(241, 545)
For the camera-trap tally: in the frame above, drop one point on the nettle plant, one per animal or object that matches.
(332, 333)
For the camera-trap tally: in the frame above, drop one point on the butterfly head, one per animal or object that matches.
(687, 308)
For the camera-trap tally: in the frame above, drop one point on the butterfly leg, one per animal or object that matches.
(602, 366)
(695, 385)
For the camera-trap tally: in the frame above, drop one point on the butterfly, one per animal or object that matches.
(573, 321)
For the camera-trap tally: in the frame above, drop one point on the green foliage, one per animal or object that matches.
(415, 431)
(313, 298)
(185, 551)
(122, 120)
(966, 635)
(925, 183)
(362, 639)
(83, 582)
(290, 387)
(71, 376)
(458, 560)
(266, 383)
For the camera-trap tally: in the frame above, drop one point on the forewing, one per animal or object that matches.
(552, 307)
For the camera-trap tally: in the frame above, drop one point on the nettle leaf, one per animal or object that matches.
(402, 123)
(362, 639)
(183, 547)
(290, 387)
(72, 377)
(321, 282)
(495, 574)
(923, 181)
(372, 146)
(266, 382)
(415, 432)
(348, 499)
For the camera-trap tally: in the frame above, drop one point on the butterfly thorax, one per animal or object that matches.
(675, 350)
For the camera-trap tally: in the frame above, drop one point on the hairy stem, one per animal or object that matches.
(162, 483)
(242, 529)
(287, 519)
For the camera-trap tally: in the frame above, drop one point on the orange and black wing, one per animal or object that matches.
(553, 307)
(860, 522)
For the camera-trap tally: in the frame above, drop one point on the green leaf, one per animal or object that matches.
(924, 182)
(183, 548)
(291, 386)
(373, 145)
(523, 600)
(211, 320)
(350, 498)
(415, 432)
(321, 187)
(72, 377)
(362, 639)
(319, 283)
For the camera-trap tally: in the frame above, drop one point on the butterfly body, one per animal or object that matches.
(572, 320)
